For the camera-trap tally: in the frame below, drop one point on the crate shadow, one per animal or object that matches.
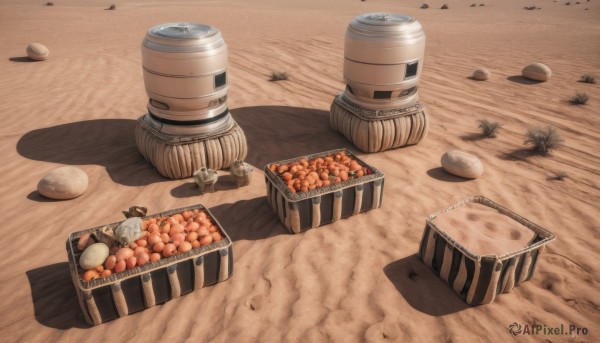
(277, 133)
(250, 219)
(422, 289)
(54, 298)
(106, 142)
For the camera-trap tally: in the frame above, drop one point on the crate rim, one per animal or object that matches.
(545, 234)
(225, 243)
(295, 197)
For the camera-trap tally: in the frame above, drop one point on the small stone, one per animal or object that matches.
(37, 52)
(462, 164)
(537, 72)
(93, 256)
(63, 183)
(481, 74)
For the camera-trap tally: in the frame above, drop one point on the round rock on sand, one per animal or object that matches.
(37, 51)
(63, 183)
(462, 164)
(481, 74)
(537, 72)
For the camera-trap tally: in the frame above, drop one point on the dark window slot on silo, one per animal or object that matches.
(382, 95)
(411, 69)
(220, 80)
(408, 91)
(349, 89)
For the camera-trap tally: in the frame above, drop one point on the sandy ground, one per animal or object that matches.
(358, 279)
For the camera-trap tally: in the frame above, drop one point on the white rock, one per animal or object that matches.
(462, 164)
(537, 72)
(93, 256)
(63, 183)
(37, 51)
(481, 74)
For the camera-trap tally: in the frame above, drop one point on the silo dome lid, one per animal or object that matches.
(181, 37)
(380, 21)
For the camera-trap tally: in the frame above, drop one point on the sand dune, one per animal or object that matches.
(358, 279)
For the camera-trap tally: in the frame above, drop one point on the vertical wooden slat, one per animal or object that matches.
(430, 248)
(446, 263)
(294, 217)
(224, 265)
(279, 205)
(474, 282)
(337, 205)
(148, 290)
(461, 277)
(199, 273)
(174, 281)
(377, 193)
(525, 269)
(491, 291)
(358, 194)
(508, 281)
(92, 307)
(119, 299)
(316, 211)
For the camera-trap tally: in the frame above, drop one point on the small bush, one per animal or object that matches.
(112, 7)
(481, 4)
(568, 3)
(49, 3)
(424, 6)
(588, 78)
(560, 175)
(488, 128)
(580, 98)
(531, 8)
(542, 141)
(473, 5)
(279, 76)
(444, 7)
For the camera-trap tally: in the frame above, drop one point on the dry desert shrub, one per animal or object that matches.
(49, 3)
(588, 78)
(279, 76)
(542, 141)
(489, 128)
(444, 7)
(580, 98)
(112, 7)
(473, 5)
(425, 6)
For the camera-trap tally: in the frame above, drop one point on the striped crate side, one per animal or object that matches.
(134, 290)
(300, 212)
(479, 279)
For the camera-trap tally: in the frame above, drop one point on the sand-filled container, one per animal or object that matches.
(383, 60)
(154, 283)
(481, 249)
(188, 125)
(305, 210)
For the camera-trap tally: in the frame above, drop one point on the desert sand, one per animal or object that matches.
(483, 230)
(358, 279)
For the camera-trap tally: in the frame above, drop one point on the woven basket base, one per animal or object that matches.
(178, 157)
(374, 135)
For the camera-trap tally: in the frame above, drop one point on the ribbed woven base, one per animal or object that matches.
(177, 157)
(374, 131)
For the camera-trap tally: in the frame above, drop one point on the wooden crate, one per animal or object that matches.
(305, 210)
(478, 279)
(136, 289)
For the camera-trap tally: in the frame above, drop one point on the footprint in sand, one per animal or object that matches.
(491, 226)
(472, 217)
(514, 234)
